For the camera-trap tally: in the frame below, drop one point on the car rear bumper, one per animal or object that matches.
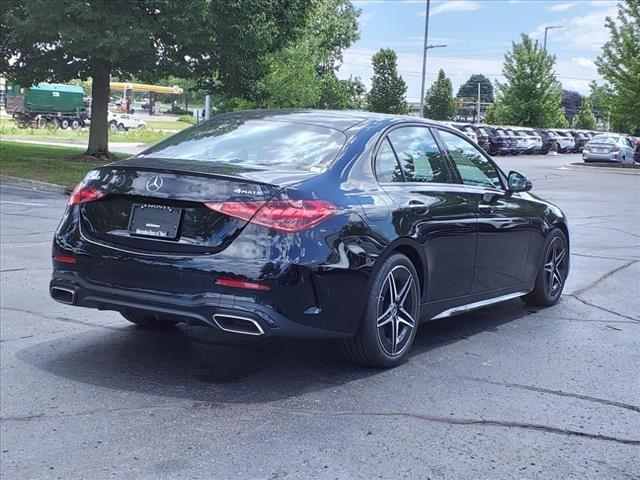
(600, 157)
(232, 313)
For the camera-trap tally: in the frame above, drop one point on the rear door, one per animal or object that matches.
(429, 207)
(504, 225)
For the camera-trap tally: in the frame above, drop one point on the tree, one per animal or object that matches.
(532, 95)
(221, 42)
(438, 102)
(388, 89)
(469, 89)
(619, 64)
(584, 118)
(571, 102)
(341, 94)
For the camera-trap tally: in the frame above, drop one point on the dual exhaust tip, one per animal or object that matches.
(228, 323)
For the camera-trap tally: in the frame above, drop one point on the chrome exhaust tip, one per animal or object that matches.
(236, 324)
(63, 295)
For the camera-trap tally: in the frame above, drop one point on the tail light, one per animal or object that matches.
(83, 194)
(230, 282)
(284, 215)
(615, 149)
(65, 259)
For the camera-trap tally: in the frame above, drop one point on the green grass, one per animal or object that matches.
(59, 165)
(146, 135)
(167, 125)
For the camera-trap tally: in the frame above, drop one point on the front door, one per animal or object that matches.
(504, 219)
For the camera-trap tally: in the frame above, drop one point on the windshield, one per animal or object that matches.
(234, 139)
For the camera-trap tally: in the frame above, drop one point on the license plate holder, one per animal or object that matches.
(155, 221)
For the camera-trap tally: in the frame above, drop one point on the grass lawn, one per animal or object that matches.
(59, 165)
(146, 135)
(167, 125)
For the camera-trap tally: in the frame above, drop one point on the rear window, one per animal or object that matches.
(483, 130)
(500, 132)
(234, 140)
(604, 139)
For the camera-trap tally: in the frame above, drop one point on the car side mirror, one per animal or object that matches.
(517, 182)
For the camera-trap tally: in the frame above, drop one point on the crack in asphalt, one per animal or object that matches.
(581, 300)
(604, 277)
(207, 406)
(603, 257)
(560, 393)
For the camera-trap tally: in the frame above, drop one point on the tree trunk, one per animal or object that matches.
(99, 131)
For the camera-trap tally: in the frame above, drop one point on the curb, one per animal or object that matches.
(33, 185)
(622, 171)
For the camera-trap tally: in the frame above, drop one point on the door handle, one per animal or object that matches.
(418, 206)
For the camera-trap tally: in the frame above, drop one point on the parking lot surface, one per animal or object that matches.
(505, 392)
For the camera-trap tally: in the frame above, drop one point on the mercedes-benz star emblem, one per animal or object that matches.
(154, 184)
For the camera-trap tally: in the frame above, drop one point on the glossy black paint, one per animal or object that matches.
(467, 243)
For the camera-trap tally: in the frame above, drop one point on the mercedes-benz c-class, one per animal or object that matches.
(346, 225)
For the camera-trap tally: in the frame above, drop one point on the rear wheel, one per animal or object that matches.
(75, 124)
(121, 127)
(390, 321)
(64, 123)
(552, 273)
(148, 320)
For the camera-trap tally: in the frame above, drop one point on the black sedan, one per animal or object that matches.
(353, 226)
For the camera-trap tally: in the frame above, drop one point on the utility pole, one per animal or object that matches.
(424, 56)
(207, 107)
(546, 29)
(478, 105)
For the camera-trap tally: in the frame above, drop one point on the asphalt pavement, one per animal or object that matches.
(506, 392)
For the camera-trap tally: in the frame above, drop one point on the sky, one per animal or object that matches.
(477, 33)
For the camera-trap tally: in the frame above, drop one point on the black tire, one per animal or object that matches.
(121, 127)
(552, 273)
(148, 320)
(64, 123)
(388, 327)
(75, 124)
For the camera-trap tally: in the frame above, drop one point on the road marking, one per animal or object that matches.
(24, 203)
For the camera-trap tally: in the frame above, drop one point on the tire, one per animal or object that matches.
(552, 273)
(75, 124)
(121, 127)
(64, 123)
(148, 320)
(42, 123)
(113, 126)
(390, 321)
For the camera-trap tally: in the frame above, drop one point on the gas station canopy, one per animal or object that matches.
(141, 87)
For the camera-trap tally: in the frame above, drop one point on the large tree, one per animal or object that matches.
(222, 43)
(438, 102)
(469, 90)
(619, 64)
(584, 118)
(388, 89)
(571, 102)
(531, 95)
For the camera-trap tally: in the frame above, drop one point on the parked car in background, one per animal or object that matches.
(501, 142)
(124, 121)
(580, 138)
(609, 147)
(482, 133)
(521, 145)
(636, 155)
(532, 141)
(565, 142)
(469, 132)
(548, 140)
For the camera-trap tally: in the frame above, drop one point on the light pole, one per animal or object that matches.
(546, 29)
(424, 55)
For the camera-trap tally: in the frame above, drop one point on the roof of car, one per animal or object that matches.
(341, 120)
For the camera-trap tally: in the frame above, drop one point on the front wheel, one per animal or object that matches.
(390, 321)
(552, 273)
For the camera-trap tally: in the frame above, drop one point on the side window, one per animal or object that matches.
(473, 166)
(420, 158)
(387, 168)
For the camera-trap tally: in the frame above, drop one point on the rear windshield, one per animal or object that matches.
(235, 140)
(500, 131)
(483, 130)
(604, 139)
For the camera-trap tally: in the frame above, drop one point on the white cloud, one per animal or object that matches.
(582, 32)
(561, 7)
(584, 63)
(457, 6)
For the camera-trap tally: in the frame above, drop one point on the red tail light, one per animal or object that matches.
(230, 282)
(83, 194)
(65, 258)
(615, 149)
(284, 215)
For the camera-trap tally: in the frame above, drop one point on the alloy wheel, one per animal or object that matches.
(555, 266)
(397, 309)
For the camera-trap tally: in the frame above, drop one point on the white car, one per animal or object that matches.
(468, 132)
(124, 121)
(565, 141)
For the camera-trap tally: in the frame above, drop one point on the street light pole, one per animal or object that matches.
(546, 29)
(424, 56)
